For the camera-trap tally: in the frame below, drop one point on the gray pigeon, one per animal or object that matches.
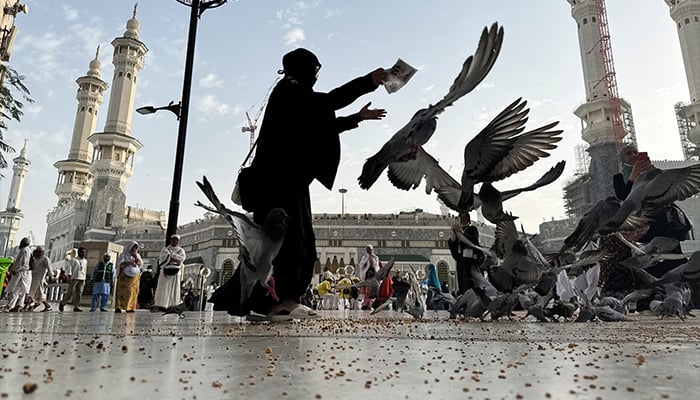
(375, 281)
(422, 125)
(607, 314)
(178, 309)
(497, 152)
(595, 219)
(259, 244)
(518, 267)
(655, 189)
(614, 303)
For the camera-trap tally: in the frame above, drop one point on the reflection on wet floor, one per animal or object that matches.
(213, 355)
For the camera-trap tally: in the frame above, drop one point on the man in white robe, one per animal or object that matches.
(21, 277)
(170, 271)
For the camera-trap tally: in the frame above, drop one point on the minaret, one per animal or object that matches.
(12, 216)
(74, 176)
(114, 149)
(686, 15)
(596, 113)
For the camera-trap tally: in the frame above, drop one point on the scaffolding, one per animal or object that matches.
(610, 78)
(684, 127)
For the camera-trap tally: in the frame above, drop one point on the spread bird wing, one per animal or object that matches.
(475, 68)
(490, 145)
(260, 248)
(550, 176)
(673, 185)
(526, 149)
(408, 175)
(505, 236)
(384, 271)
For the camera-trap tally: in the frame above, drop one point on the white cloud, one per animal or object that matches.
(209, 105)
(70, 13)
(333, 13)
(294, 36)
(211, 80)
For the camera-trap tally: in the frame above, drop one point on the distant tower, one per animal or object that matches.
(114, 149)
(74, 176)
(686, 15)
(605, 117)
(12, 216)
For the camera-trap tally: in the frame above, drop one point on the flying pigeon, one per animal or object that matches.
(422, 125)
(498, 151)
(259, 244)
(655, 189)
(595, 219)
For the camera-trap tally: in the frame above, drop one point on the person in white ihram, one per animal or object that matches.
(21, 277)
(170, 274)
(369, 260)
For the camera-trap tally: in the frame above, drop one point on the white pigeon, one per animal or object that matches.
(420, 128)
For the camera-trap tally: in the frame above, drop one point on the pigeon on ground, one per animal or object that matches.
(655, 189)
(178, 309)
(614, 303)
(607, 314)
(538, 312)
(259, 244)
(422, 125)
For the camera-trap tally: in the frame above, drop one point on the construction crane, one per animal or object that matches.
(610, 78)
(252, 126)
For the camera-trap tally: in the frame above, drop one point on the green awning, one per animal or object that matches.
(193, 260)
(403, 258)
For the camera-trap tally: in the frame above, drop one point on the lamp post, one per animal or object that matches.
(342, 202)
(342, 192)
(182, 108)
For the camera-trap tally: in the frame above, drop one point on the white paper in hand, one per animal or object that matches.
(398, 76)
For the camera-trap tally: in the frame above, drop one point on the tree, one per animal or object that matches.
(10, 108)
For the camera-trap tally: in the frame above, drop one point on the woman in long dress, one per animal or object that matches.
(130, 266)
(170, 271)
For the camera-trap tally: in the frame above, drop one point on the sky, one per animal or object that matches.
(239, 49)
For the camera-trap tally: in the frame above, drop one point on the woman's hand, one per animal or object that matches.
(376, 113)
(640, 167)
(379, 76)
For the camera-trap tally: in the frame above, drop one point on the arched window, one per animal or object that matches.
(687, 21)
(227, 269)
(585, 21)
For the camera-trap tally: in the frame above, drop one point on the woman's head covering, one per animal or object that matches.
(472, 233)
(369, 246)
(433, 280)
(626, 168)
(302, 66)
(125, 255)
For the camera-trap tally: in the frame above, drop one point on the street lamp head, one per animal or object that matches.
(204, 4)
(146, 110)
(172, 107)
(342, 191)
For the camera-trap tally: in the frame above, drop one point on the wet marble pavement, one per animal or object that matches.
(344, 354)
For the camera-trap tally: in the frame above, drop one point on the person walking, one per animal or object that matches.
(130, 265)
(368, 266)
(298, 142)
(170, 273)
(467, 257)
(77, 274)
(21, 277)
(41, 270)
(103, 278)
